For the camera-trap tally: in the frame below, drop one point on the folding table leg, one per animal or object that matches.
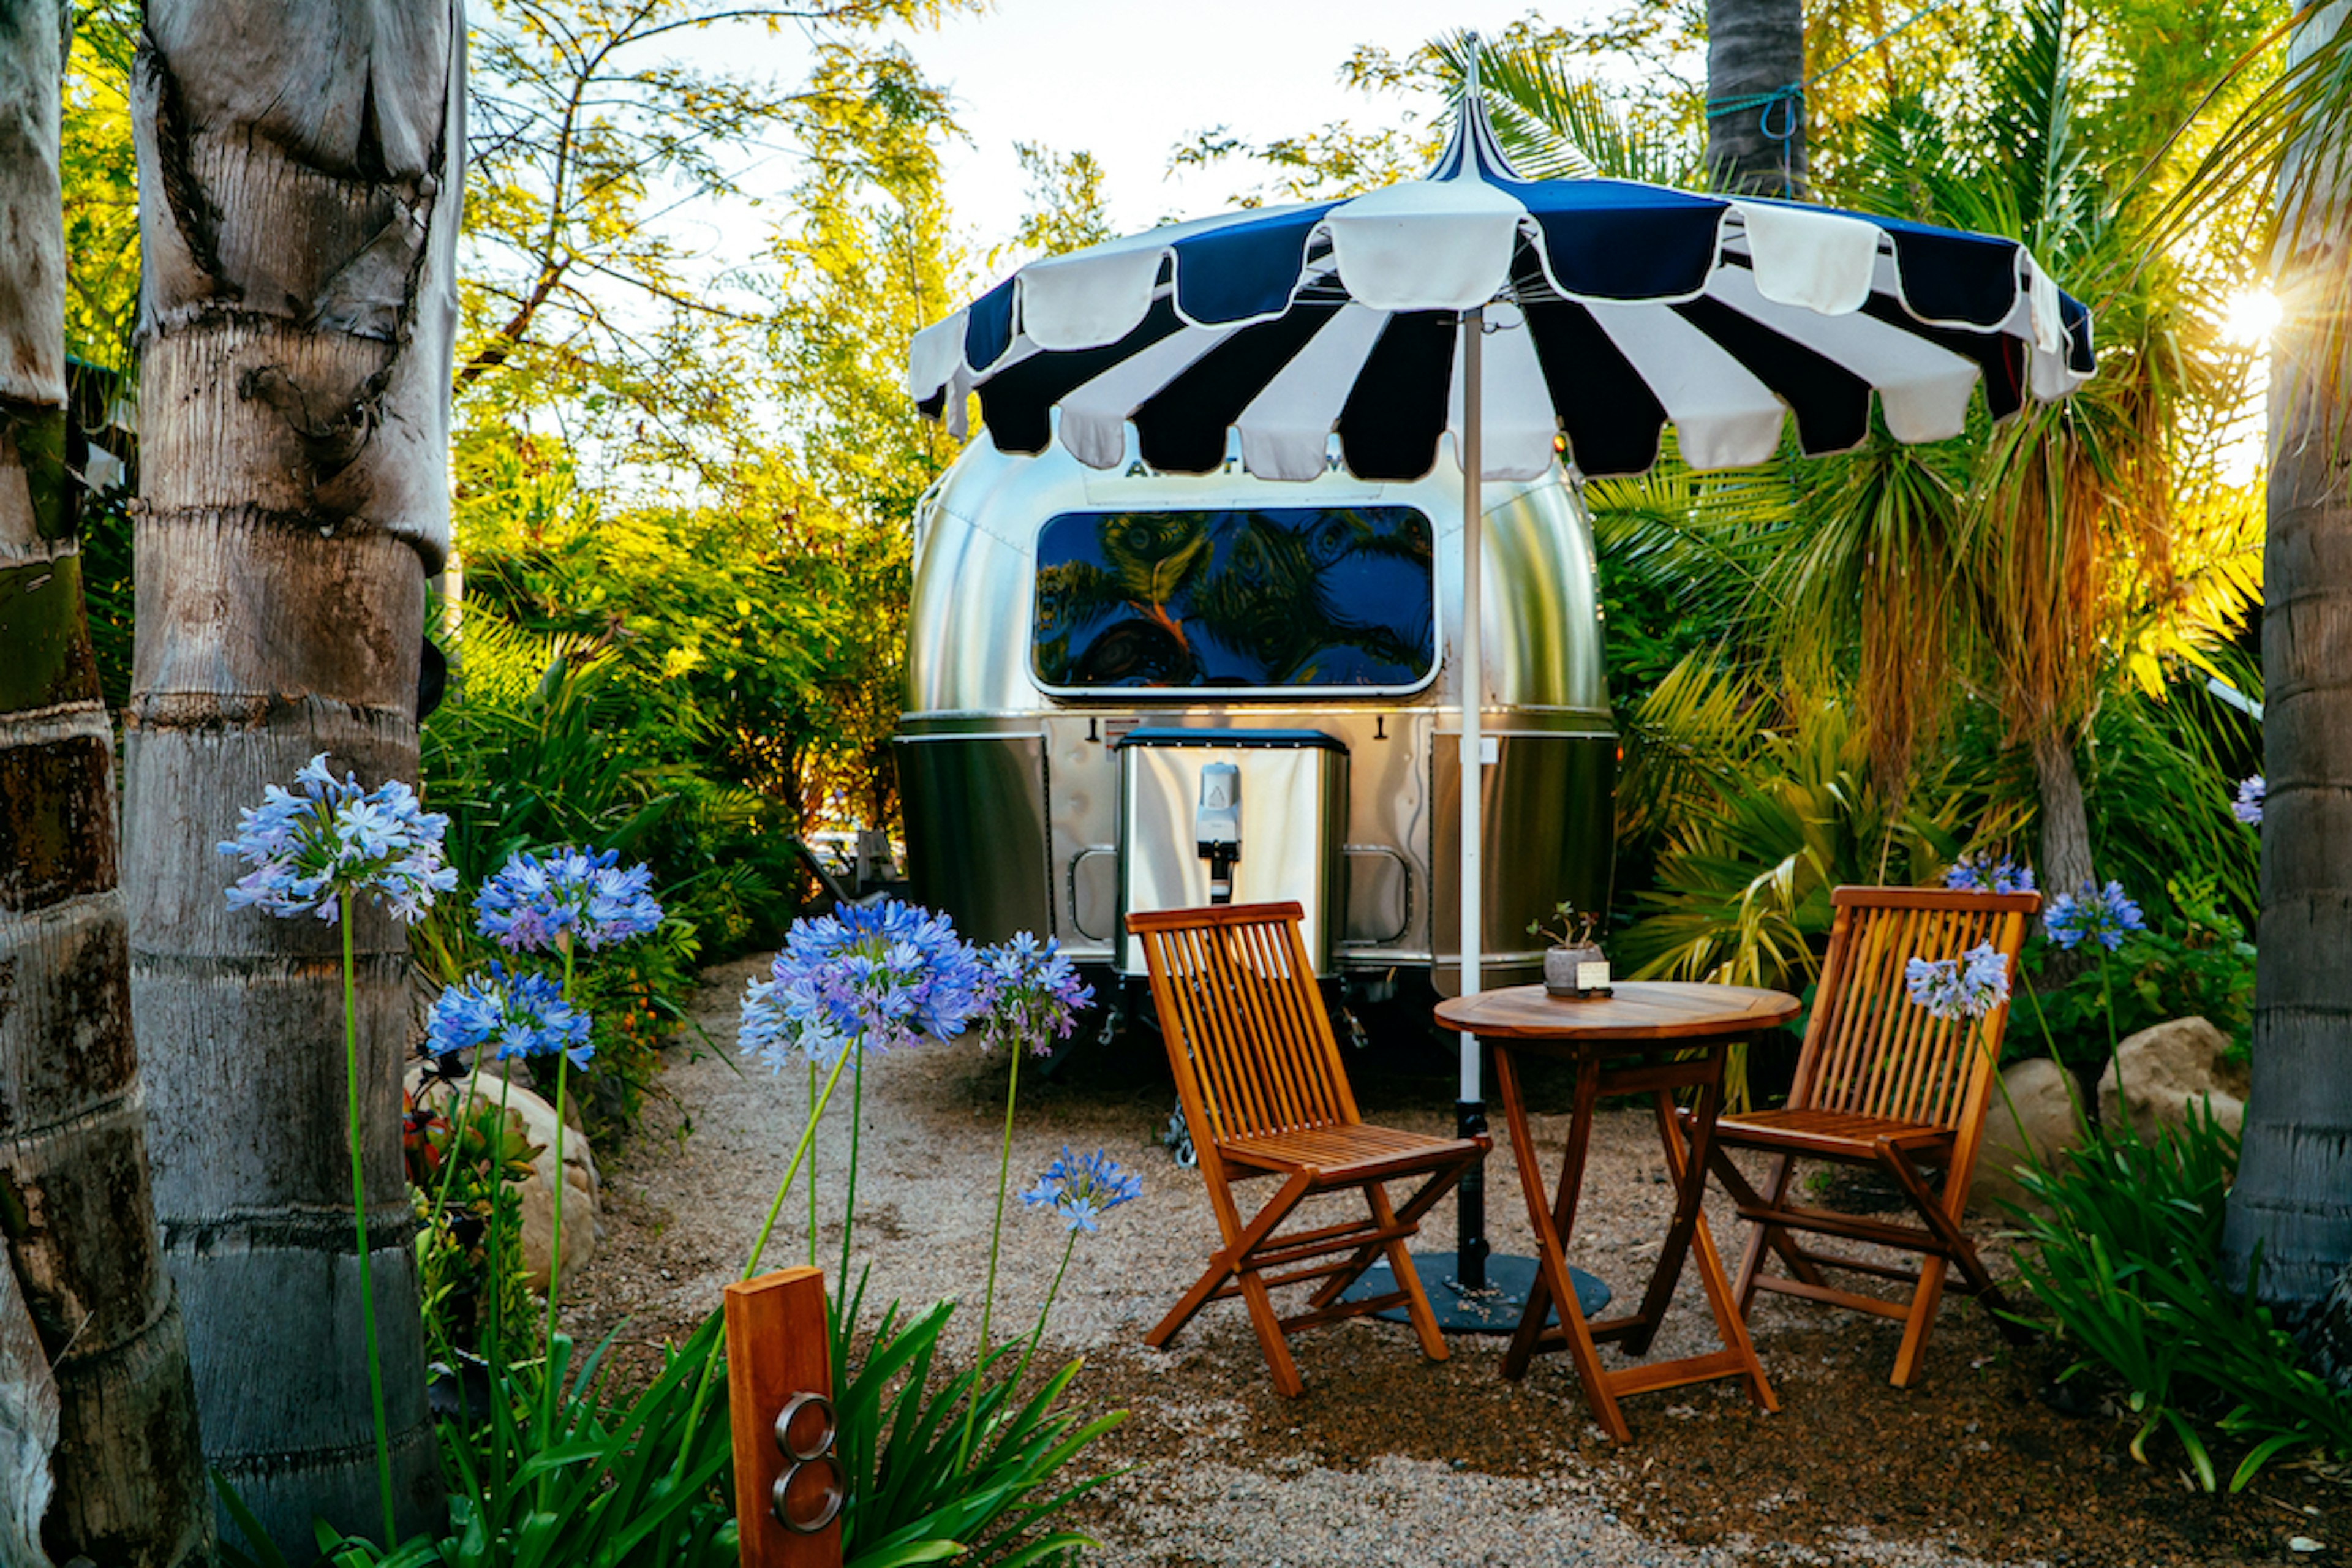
(1690, 1184)
(1553, 1285)
(1563, 1209)
(1689, 1166)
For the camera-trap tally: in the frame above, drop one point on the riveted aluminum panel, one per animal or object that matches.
(1293, 799)
(975, 811)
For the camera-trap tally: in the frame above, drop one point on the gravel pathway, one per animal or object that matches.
(1388, 1459)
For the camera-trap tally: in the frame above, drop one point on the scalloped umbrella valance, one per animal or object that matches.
(1610, 309)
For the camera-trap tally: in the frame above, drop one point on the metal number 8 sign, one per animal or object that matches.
(808, 1496)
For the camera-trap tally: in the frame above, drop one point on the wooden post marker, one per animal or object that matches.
(789, 1486)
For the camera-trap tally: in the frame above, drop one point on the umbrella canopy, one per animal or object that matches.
(1611, 310)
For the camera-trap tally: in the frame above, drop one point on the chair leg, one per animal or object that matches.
(1946, 1228)
(1233, 1262)
(1761, 1234)
(1278, 1363)
(1420, 1203)
(1408, 1277)
(1923, 1303)
(1210, 1280)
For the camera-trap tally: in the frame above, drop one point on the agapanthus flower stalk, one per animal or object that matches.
(2104, 915)
(535, 904)
(328, 837)
(313, 850)
(1968, 987)
(1032, 996)
(1983, 874)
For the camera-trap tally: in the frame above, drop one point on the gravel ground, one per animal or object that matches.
(1389, 1458)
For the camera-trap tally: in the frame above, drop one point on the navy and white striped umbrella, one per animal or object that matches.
(1611, 310)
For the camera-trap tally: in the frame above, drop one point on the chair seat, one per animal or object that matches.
(1346, 1151)
(1830, 1134)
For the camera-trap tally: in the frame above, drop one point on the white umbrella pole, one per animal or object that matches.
(1471, 678)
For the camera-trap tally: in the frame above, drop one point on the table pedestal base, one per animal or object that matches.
(1495, 1311)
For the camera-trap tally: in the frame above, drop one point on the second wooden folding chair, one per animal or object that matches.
(1881, 1083)
(1265, 1096)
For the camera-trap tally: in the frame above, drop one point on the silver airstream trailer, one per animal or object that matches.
(1129, 689)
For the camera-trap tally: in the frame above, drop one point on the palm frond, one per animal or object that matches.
(1690, 739)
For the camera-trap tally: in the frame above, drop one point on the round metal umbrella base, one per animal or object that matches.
(1494, 1310)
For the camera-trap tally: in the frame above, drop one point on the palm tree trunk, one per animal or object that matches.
(298, 173)
(1754, 137)
(2065, 859)
(2293, 1199)
(85, 1273)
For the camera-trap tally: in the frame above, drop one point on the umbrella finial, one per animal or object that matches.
(1472, 149)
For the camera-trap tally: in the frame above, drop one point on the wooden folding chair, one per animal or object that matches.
(1883, 1083)
(1265, 1095)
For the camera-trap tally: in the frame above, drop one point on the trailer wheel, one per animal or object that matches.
(1178, 1139)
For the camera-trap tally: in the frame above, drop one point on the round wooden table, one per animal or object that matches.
(1652, 1037)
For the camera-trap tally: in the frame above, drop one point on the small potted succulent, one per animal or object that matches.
(1574, 965)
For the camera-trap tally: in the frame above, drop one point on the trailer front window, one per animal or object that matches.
(1276, 597)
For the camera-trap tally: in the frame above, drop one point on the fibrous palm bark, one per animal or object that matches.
(299, 165)
(1755, 125)
(2293, 1201)
(92, 1358)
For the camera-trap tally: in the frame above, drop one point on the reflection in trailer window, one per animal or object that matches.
(1264, 597)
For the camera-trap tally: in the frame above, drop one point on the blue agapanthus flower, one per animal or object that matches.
(531, 904)
(2252, 793)
(509, 1015)
(875, 975)
(1983, 874)
(2101, 915)
(1034, 994)
(1083, 1190)
(333, 838)
(1968, 987)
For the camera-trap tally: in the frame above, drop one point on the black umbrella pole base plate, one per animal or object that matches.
(1494, 1310)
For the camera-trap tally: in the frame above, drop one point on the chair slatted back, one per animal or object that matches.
(1246, 1032)
(1869, 1049)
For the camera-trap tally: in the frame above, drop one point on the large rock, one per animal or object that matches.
(537, 1191)
(2167, 1068)
(2038, 1113)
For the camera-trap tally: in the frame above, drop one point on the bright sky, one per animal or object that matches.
(1129, 81)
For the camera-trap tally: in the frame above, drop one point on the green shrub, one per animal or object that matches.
(2126, 1260)
(545, 745)
(913, 1494)
(2196, 962)
(462, 1171)
(615, 1482)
